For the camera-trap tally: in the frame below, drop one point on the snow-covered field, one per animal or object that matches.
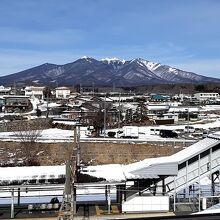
(59, 135)
(55, 135)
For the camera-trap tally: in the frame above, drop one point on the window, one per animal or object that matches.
(216, 147)
(181, 166)
(205, 153)
(194, 159)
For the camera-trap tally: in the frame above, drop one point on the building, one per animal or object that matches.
(36, 91)
(16, 103)
(203, 96)
(159, 98)
(160, 114)
(62, 92)
(2, 103)
(5, 90)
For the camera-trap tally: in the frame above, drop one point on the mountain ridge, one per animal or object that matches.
(105, 72)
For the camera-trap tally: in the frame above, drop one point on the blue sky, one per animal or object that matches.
(184, 34)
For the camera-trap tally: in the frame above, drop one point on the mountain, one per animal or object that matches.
(105, 72)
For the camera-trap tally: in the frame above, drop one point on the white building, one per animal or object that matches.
(62, 92)
(36, 91)
(5, 90)
(161, 112)
(202, 96)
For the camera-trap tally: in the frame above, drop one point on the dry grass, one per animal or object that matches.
(15, 153)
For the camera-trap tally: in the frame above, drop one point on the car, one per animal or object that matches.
(189, 129)
(205, 134)
(168, 134)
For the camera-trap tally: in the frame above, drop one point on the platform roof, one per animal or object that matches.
(20, 174)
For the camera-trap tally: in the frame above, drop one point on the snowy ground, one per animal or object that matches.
(59, 135)
(55, 135)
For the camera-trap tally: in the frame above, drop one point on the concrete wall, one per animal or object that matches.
(14, 153)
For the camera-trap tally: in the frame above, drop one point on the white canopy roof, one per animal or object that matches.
(31, 173)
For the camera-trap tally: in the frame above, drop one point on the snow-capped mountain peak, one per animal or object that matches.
(86, 58)
(151, 65)
(106, 71)
(145, 63)
(113, 59)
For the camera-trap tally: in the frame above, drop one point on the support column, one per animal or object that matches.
(187, 184)
(154, 187)
(78, 156)
(19, 196)
(213, 184)
(212, 177)
(199, 173)
(174, 194)
(12, 204)
(125, 192)
(120, 196)
(219, 181)
(123, 196)
(109, 199)
(163, 187)
(106, 194)
(74, 200)
(118, 193)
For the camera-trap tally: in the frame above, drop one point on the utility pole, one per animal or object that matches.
(105, 117)
(80, 88)
(93, 89)
(68, 206)
(188, 122)
(47, 108)
(119, 107)
(119, 111)
(15, 93)
(77, 144)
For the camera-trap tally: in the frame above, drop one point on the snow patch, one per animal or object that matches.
(173, 70)
(114, 59)
(151, 65)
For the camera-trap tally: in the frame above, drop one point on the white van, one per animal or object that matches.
(154, 131)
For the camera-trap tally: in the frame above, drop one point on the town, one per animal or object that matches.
(96, 131)
(109, 109)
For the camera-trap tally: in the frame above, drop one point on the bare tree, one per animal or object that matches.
(98, 121)
(28, 132)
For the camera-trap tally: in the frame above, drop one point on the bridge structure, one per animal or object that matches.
(179, 174)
